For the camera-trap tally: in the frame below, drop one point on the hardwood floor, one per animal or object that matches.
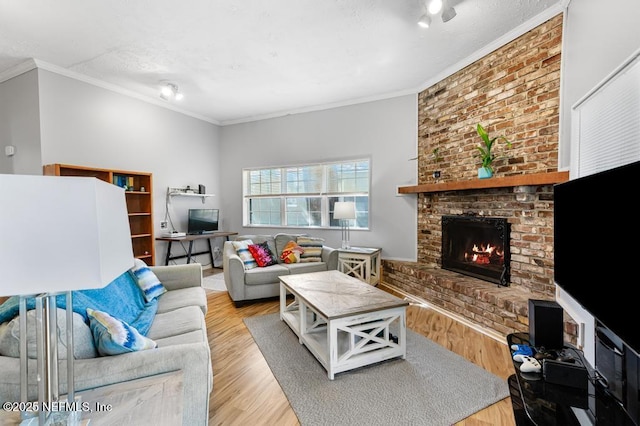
(245, 391)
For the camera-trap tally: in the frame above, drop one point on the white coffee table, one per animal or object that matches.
(344, 322)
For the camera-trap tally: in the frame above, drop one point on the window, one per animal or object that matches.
(304, 196)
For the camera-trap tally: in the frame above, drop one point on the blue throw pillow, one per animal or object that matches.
(113, 337)
(147, 281)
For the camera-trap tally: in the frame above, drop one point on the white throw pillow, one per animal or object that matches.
(83, 346)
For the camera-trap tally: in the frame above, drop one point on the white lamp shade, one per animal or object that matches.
(61, 234)
(344, 210)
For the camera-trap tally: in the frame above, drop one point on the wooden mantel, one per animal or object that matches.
(499, 182)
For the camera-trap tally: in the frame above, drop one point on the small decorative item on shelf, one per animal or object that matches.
(435, 155)
(484, 152)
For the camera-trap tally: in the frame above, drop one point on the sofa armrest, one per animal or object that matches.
(330, 257)
(233, 270)
(175, 277)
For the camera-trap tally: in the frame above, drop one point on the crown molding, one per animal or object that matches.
(17, 70)
(33, 63)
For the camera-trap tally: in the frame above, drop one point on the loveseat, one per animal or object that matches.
(178, 328)
(247, 285)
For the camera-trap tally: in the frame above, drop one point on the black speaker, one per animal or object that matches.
(201, 189)
(546, 325)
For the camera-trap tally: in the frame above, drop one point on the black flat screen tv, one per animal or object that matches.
(202, 221)
(596, 240)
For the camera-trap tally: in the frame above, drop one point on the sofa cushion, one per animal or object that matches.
(312, 249)
(83, 346)
(196, 336)
(262, 254)
(281, 241)
(147, 281)
(175, 299)
(303, 268)
(242, 250)
(266, 275)
(291, 253)
(113, 336)
(177, 322)
(269, 239)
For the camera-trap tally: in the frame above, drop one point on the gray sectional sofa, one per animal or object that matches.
(262, 282)
(178, 328)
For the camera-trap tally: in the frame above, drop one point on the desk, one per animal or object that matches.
(191, 239)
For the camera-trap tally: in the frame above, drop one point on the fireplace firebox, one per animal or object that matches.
(477, 246)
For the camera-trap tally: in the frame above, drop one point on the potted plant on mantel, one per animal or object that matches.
(484, 152)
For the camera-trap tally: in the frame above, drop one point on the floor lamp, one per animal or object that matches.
(345, 211)
(60, 234)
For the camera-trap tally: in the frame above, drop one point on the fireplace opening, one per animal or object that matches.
(477, 246)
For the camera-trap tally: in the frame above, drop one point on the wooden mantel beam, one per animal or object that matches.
(496, 182)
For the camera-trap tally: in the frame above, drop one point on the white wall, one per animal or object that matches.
(19, 125)
(385, 131)
(83, 124)
(597, 39)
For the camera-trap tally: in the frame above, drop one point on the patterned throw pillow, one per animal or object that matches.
(147, 281)
(312, 249)
(242, 249)
(262, 254)
(113, 337)
(291, 252)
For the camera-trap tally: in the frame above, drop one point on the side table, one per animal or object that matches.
(361, 262)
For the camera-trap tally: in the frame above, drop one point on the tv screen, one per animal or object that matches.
(596, 233)
(202, 221)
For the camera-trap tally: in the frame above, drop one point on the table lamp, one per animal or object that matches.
(60, 234)
(345, 211)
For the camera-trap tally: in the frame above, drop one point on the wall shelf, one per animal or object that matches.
(179, 192)
(499, 182)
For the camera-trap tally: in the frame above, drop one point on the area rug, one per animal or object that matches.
(214, 282)
(432, 386)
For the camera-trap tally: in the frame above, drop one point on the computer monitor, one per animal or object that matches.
(202, 221)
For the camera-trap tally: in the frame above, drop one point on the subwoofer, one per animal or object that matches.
(546, 325)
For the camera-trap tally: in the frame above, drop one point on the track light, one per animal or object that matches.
(425, 21)
(170, 92)
(448, 13)
(434, 6)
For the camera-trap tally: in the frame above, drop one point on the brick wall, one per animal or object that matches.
(514, 91)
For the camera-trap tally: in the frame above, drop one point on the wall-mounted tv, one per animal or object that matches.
(596, 239)
(202, 221)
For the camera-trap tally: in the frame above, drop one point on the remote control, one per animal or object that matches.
(530, 365)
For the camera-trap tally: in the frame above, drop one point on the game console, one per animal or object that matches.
(174, 234)
(530, 365)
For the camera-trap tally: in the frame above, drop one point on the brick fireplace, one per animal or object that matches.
(529, 211)
(513, 91)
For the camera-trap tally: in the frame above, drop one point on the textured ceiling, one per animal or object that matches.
(238, 61)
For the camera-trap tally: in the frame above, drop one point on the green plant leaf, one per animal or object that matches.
(484, 150)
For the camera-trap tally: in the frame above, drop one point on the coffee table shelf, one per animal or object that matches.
(342, 321)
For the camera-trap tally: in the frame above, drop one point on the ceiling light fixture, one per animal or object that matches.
(434, 6)
(448, 13)
(425, 21)
(170, 92)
